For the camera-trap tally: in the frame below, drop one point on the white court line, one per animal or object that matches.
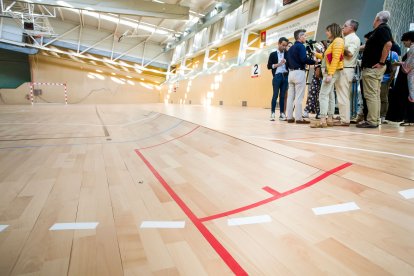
(407, 194)
(332, 146)
(74, 226)
(369, 134)
(162, 224)
(3, 227)
(249, 220)
(351, 132)
(339, 208)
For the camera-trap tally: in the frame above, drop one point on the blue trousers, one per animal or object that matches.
(280, 84)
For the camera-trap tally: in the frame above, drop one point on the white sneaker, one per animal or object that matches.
(305, 114)
(282, 117)
(272, 117)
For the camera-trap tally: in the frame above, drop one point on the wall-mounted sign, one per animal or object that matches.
(255, 73)
(308, 22)
(263, 37)
(411, 26)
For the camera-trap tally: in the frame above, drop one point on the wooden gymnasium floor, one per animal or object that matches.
(237, 191)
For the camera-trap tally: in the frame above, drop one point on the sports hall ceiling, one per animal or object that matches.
(134, 32)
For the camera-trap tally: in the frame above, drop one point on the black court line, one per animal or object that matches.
(103, 124)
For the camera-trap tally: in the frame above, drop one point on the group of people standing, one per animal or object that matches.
(334, 71)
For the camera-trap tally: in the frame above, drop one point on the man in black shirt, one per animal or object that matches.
(277, 60)
(375, 54)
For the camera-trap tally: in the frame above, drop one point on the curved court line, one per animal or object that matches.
(156, 115)
(97, 143)
(277, 195)
(153, 146)
(333, 146)
(211, 239)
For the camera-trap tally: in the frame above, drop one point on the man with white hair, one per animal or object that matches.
(343, 85)
(375, 54)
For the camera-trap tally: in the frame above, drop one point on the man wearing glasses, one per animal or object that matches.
(343, 86)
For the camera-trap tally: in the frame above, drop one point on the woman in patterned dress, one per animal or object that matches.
(312, 103)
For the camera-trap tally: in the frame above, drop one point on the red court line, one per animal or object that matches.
(271, 190)
(217, 246)
(153, 146)
(279, 195)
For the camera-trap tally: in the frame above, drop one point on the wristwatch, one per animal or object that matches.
(381, 63)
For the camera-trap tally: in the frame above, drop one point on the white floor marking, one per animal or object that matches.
(351, 132)
(369, 134)
(407, 194)
(339, 208)
(74, 226)
(162, 224)
(332, 146)
(3, 227)
(249, 220)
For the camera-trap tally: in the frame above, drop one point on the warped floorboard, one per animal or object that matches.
(194, 166)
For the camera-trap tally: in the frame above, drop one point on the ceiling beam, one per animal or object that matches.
(128, 51)
(61, 14)
(88, 57)
(79, 38)
(62, 35)
(154, 58)
(100, 41)
(113, 41)
(124, 7)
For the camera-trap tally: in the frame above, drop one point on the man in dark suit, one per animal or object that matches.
(277, 63)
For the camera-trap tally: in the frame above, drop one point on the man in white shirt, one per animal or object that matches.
(343, 88)
(277, 63)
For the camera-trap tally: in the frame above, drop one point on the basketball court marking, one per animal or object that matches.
(194, 129)
(3, 227)
(211, 239)
(277, 195)
(333, 146)
(407, 194)
(338, 208)
(74, 226)
(83, 124)
(96, 143)
(350, 132)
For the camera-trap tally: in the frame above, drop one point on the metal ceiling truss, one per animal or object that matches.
(136, 7)
(33, 19)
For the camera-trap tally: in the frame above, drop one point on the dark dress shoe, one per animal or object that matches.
(302, 122)
(290, 121)
(366, 125)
